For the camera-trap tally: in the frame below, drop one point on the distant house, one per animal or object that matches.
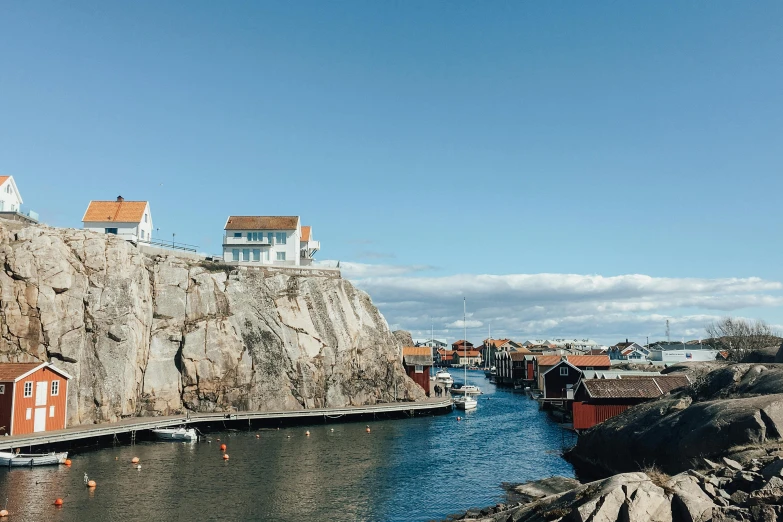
(581, 362)
(490, 347)
(596, 400)
(268, 240)
(130, 220)
(515, 367)
(466, 358)
(33, 398)
(417, 361)
(444, 357)
(628, 350)
(461, 345)
(432, 343)
(11, 202)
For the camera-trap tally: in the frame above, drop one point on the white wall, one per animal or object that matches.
(10, 199)
(682, 355)
(291, 247)
(127, 231)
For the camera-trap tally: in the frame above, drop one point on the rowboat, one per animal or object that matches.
(180, 434)
(32, 459)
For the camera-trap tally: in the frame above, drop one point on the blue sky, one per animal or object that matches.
(429, 141)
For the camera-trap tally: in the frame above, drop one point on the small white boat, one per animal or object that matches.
(444, 377)
(32, 459)
(180, 434)
(466, 402)
(467, 389)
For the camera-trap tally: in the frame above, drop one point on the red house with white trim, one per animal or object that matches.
(33, 398)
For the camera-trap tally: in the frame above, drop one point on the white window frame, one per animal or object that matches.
(564, 371)
(419, 368)
(55, 391)
(28, 414)
(28, 389)
(51, 411)
(2, 389)
(281, 256)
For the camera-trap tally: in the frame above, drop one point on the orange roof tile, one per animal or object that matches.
(262, 222)
(3, 179)
(548, 360)
(305, 233)
(470, 353)
(416, 350)
(10, 371)
(118, 211)
(589, 360)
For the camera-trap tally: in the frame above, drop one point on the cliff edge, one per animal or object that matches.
(157, 335)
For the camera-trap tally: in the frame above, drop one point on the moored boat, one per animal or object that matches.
(465, 402)
(467, 389)
(443, 377)
(32, 459)
(180, 434)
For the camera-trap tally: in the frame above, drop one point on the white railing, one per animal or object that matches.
(231, 240)
(311, 245)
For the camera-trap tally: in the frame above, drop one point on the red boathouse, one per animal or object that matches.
(418, 361)
(33, 398)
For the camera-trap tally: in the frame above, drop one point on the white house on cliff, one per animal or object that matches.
(10, 198)
(131, 220)
(268, 240)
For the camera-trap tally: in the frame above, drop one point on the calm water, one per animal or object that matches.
(416, 469)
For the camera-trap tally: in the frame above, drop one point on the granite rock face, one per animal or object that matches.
(152, 335)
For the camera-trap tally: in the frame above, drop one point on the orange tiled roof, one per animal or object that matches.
(10, 371)
(416, 350)
(3, 179)
(548, 360)
(469, 353)
(589, 360)
(305, 233)
(119, 211)
(262, 222)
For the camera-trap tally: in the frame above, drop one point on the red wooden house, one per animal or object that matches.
(33, 398)
(417, 361)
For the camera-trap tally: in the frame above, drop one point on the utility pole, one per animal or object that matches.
(668, 336)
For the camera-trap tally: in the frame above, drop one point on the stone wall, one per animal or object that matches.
(155, 335)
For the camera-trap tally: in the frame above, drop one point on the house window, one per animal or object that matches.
(28, 414)
(51, 411)
(419, 368)
(28, 389)
(2, 389)
(235, 254)
(145, 218)
(111, 231)
(142, 234)
(245, 254)
(256, 254)
(269, 237)
(281, 256)
(55, 388)
(280, 238)
(564, 370)
(589, 368)
(237, 234)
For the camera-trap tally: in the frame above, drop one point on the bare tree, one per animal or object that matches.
(741, 336)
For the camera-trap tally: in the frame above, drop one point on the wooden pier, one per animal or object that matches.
(86, 433)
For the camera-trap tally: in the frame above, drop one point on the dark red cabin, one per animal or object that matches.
(417, 361)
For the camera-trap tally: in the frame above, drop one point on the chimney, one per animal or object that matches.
(626, 340)
(120, 199)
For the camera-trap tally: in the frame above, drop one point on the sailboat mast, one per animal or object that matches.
(465, 344)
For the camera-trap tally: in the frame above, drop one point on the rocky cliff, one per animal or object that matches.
(149, 335)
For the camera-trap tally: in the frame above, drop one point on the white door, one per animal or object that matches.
(40, 420)
(40, 393)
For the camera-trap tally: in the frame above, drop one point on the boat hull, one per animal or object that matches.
(21, 459)
(460, 391)
(178, 435)
(466, 404)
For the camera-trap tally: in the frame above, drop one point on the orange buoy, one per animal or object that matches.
(222, 447)
(58, 502)
(135, 460)
(258, 436)
(459, 418)
(3, 512)
(368, 429)
(307, 433)
(91, 484)
(225, 456)
(67, 462)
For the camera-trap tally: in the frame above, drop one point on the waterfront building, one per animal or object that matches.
(491, 347)
(679, 352)
(544, 363)
(268, 240)
(466, 358)
(437, 344)
(515, 368)
(11, 202)
(417, 361)
(628, 351)
(461, 345)
(33, 398)
(596, 400)
(444, 357)
(130, 220)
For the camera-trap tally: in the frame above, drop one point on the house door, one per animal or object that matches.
(40, 393)
(40, 420)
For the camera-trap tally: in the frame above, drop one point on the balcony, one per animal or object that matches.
(231, 240)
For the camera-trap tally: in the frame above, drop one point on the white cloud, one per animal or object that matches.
(558, 305)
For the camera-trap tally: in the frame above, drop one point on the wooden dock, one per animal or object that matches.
(88, 432)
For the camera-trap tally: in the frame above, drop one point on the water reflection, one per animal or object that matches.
(415, 469)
